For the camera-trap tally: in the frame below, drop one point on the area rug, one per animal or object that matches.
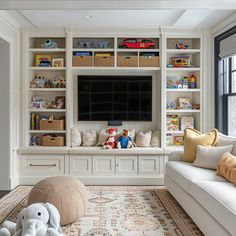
(117, 211)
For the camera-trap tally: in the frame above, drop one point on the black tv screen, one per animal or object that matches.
(114, 98)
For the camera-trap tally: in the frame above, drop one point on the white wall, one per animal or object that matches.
(9, 94)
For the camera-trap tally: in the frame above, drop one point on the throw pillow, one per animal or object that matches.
(224, 140)
(89, 138)
(227, 167)
(75, 137)
(155, 141)
(193, 137)
(143, 139)
(208, 157)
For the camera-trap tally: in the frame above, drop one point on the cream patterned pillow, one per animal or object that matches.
(155, 141)
(143, 139)
(89, 138)
(75, 137)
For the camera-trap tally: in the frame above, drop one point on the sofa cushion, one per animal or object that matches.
(224, 140)
(218, 198)
(184, 174)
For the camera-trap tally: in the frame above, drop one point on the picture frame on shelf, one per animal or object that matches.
(57, 62)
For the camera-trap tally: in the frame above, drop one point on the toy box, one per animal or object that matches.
(172, 122)
(43, 60)
(187, 122)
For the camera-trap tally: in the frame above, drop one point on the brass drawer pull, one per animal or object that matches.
(43, 165)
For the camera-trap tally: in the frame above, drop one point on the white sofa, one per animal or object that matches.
(210, 200)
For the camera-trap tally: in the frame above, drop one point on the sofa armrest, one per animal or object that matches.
(176, 156)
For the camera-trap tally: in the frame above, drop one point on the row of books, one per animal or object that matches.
(172, 122)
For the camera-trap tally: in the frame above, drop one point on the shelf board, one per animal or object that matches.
(46, 68)
(47, 50)
(47, 110)
(182, 111)
(183, 90)
(47, 131)
(183, 69)
(183, 51)
(174, 132)
(47, 89)
(93, 49)
(138, 50)
(116, 68)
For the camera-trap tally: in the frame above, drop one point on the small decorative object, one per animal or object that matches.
(86, 44)
(179, 61)
(169, 140)
(59, 82)
(43, 60)
(34, 141)
(171, 105)
(33, 84)
(171, 82)
(48, 43)
(103, 44)
(49, 105)
(48, 84)
(178, 140)
(110, 142)
(124, 141)
(36, 219)
(192, 82)
(187, 122)
(39, 80)
(172, 122)
(184, 103)
(60, 102)
(134, 43)
(57, 62)
(196, 106)
(38, 102)
(180, 45)
(185, 83)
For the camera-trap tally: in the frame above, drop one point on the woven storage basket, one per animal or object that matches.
(149, 61)
(127, 61)
(82, 61)
(51, 124)
(104, 61)
(52, 141)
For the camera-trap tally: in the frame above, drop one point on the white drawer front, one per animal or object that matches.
(126, 164)
(81, 165)
(104, 165)
(149, 164)
(42, 165)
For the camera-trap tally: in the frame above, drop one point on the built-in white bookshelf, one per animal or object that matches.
(175, 71)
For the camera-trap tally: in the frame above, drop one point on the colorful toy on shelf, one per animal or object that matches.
(57, 62)
(48, 43)
(38, 81)
(171, 82)
(110, 142)
(38, 102)
(196, 106)
(43, 60)
(185, 104)
(59, 82)
(86, 44)
(185, 82)
(172, 122)
(171, 105)
(179, 61)
(181, 45)
(178, 140)
(124, 141)
(34, 141)
(103, 44)
(134, 43)
(192, 81)
(169, 140)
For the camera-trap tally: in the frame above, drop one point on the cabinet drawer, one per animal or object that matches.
(41, 165)
(81, 165)
(103, 165)
(126, 164)
(149, 164)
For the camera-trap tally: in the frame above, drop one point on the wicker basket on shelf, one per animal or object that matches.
(82, 61)
(49, 140)
(51, 124)
(104, 61)
(127, 61)
(149, 61)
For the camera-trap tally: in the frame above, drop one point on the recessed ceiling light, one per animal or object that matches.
(88, 16)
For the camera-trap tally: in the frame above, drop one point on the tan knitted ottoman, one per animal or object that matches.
(67, 194)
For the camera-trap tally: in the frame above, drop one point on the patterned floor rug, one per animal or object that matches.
(118, 211)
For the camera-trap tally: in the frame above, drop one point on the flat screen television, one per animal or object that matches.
(114, 98)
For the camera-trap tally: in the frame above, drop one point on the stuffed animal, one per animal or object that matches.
(110, 142)
(38, 219)
(124, 141)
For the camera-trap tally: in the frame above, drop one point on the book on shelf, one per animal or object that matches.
(35, 118)
(187, 122)
(172, 122)
(169, 140)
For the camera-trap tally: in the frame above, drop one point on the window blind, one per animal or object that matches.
(228, 47)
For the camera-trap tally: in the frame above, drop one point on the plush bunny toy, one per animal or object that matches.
(38, 219)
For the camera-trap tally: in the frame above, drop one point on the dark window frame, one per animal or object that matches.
(221, 110)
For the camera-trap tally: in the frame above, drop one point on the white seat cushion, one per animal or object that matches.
(218, 198)
(183, 173)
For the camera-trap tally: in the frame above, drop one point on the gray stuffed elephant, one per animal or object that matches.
(38, 219)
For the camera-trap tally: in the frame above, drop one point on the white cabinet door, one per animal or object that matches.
(104, 165)
(81, 165)
(126, 164)
(149, 164)
(42, 165)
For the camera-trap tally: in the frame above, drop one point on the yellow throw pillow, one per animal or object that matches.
(192, 138)
(227, 167)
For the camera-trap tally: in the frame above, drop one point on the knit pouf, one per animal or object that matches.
(67, 194)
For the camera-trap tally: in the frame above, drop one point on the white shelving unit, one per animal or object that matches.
(194, 51)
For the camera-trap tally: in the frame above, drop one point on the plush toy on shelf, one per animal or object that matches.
(124, 141)
(110, 142)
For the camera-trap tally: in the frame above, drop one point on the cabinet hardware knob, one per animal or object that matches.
(43, 165)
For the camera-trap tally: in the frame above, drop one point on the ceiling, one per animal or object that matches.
(193, 14)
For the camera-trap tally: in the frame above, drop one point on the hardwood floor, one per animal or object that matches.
(3, 193)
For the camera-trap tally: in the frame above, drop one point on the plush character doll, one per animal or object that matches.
(110, 143)
(124, 141)
(38, 219)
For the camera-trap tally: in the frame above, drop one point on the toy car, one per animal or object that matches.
(133, 43)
